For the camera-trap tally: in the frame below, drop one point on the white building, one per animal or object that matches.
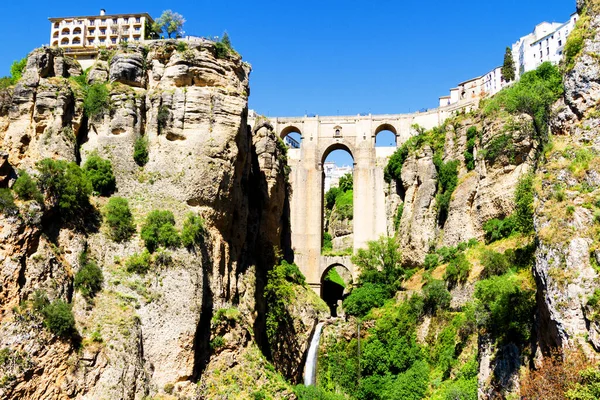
(545, 43)
(493, 82)
(333, 173)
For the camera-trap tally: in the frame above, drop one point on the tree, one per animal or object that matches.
(171, 21)
(100, 174)
(159, 229)
(346, 183)
(226, 41)
(508, 69)
(118, 217)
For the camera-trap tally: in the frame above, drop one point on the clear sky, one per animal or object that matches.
(328, 57)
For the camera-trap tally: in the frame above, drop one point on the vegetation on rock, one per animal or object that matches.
(88, 280)
(119, 219)
(26, 188)
(100, 174)
(159, 230)
(140, 151)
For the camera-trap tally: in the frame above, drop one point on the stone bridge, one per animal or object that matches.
(355, 134)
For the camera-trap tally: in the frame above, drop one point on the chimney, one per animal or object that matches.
(102, 11)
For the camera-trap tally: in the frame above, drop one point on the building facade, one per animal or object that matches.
(333, 173)
(545, 43)
(77, 34)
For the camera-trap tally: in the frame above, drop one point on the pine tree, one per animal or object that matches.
(226, 41)
(508, 69)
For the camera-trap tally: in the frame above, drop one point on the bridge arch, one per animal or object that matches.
(335, 281)
(386, 135)
(327, 150)
(292, 136)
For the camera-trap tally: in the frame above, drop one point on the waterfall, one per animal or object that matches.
(310, 368)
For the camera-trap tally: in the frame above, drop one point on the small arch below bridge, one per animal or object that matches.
(335, 281)
(291, 136)
(386, 135)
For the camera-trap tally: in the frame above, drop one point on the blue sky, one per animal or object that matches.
(329, 57)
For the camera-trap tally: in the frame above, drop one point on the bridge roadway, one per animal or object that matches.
(320, 135)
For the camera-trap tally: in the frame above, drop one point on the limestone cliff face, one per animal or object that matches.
(142, 335)
(484, 193)
(567, 258)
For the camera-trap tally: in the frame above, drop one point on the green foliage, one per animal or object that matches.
(447, 181)
(398, 216)
(380, 263)
(575, 41)
(508, 68)
(589, 388)
(139, 263)
(159, 230)
(533, 94)
(140, 151)
(226, 41)
(59, 319)
(494, 263)
(181, 47)
(7, 203)
(457, 270)
(26, 188)
(506, 308)
(432, 260)
(496, 229)
(313, 393)
(16, 70)
(100, 173)
(163, 116)
(327, 242)
(364, 298)
(65, 185)
(330, 197)
(88, 280)
(170, 21)
(278, 294)
(524, 205)
(502, 144)
(96, 100)
(469, 152)
(217, 342)
(118, 217)
(193, 230)
(221, 50)
(344, 205)
(334, 276)
(393, 169)
(436, 296)
(346, 183)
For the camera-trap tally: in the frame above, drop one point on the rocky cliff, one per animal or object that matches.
(196, 311)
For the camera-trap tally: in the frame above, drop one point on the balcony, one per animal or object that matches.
(102, 33)
(114, 33)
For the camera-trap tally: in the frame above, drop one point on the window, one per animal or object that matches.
(92, 22)
(102, 40)
(560, 43)
(103, 20)
(137, 28)
(547, 51)
(124, 39)
(103, 31)
(92, 31)
(91, 41)
(137, 39)
(114, 21)
(113, 40)
(56, 24)
(138, 20)
(541, 55)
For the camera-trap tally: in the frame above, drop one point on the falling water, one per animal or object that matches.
(311, 359)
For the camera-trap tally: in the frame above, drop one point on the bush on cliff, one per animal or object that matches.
(100, 173)
(140, 151)
(118, 217)
(26, 188)
(88, 280)
(193, 230)
(65, 186)
(7, 202)
(96, 100)
(159, 230)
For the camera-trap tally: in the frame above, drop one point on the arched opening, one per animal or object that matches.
(64, 41)
(55, 35)
(338, 201)
(334, 283)
(56, 25)
(65, 31)
(292, 137)
(385, 136)
(77, 31)
(76, 40)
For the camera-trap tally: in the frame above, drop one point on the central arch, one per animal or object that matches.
(334, 286)
(291, 136)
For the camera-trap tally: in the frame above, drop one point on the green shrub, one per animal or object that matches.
(393, 169)
(588, 388)
(447, 253)
(140, 151)
(346, 183)
(59, 319)
(496, 229)
(310, 393)
(221, 50)
(575, 41)
(344, 205)
(217, 342)
(436, 296)
(162, 118)
(118, 217)
(327, 242)
(65, 185)
(26, 188)
(457, 270)
(181, 46)
(16, 70)
(162, 258)
(7, 203)
(431, 261)
(139, 263)
(469, 152)
(193, 230)
(96, 100)
(380, 263)
(159, 230)
(330, 197)
(100, 173)
(362, 299)
(494, 263)
(88, 280)
(500, 145)
(524, 205)
(39, 301)
(334, 276)
(398, 216)
(505, 309)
